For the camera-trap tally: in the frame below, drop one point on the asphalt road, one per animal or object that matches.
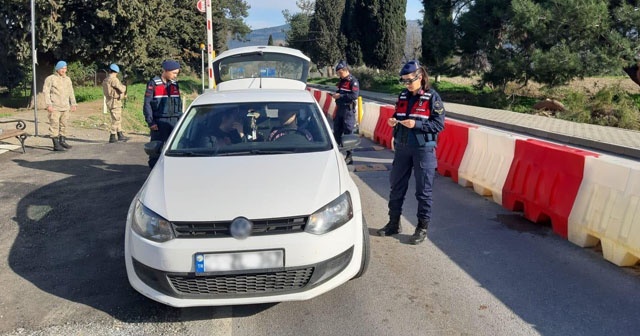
(483, 270)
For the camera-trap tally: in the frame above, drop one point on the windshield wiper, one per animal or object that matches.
(259, 152)
(187, 153)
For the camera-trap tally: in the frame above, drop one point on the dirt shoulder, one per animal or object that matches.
(87, 125)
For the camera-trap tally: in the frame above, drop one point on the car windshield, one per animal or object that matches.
(262, 65)
(250, 129)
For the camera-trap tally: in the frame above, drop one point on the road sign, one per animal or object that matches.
(201, 6)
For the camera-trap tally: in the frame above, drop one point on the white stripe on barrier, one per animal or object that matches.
(486, 161)
(370, 115)
(607, 208)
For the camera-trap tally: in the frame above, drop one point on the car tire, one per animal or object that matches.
(366, 250)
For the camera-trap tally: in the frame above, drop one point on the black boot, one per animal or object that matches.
(121, 137)
(421, 232)
(57, 146)
(348, 158)
(112, 138)
(391, 228)
(63, 142)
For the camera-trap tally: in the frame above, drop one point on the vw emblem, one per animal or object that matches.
(241, 228)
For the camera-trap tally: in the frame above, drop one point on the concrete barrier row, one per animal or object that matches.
(587, 197)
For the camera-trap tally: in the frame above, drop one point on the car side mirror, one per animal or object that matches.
(153, 148)
(350, 142)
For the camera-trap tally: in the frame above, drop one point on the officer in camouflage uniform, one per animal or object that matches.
(114, 92)
(60, 99)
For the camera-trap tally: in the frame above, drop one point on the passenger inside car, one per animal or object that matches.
(229, 128)
(288, 128)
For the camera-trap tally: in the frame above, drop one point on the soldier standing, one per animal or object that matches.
(115, 92)
(162, 104)
(60, 99)
(417, 121)
(346, 97)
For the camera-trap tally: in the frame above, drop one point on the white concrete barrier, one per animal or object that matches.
(370, 115)
(607, 209)
(486, 161)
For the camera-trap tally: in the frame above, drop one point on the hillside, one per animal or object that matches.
(261, 37)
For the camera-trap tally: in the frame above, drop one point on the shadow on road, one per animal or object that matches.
(71, 235)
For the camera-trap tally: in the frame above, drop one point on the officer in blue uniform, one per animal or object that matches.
(162, 104)
(346, 97)
(418, 118)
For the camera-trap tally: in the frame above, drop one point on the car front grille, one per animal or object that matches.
(245, 283)
(221, 229)
(287, 280)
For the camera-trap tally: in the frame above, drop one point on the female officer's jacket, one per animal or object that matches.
(427, 110)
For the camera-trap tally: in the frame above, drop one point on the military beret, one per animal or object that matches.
(410, 67)
(60, 65)
(114, 67)
(170, 65)
(341, 65)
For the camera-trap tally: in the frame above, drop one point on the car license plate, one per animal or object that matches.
(238, 261)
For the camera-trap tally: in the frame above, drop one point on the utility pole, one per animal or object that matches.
(202, 57)
(210, 51)
(34, 56)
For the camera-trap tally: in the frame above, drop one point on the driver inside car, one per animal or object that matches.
(288, 125)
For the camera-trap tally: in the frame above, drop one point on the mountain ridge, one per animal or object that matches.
(257, 37)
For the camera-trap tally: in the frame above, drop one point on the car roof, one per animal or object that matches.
(254, 95)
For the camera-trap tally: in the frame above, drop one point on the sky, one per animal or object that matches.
(267, 13)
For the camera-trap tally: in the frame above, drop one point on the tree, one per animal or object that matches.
(351, 32)
(384, 32)
(323, 30)
(551, 42)
(136, 34)
(438, 35)
(270, 41)
(297, 36)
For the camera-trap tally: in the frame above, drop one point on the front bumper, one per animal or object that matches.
(242, 284)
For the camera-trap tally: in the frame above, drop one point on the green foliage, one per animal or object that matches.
(439, 30)
(385, 33)
(325, 23)
(87, 93)
(550, 42)
(135, 34)
(297, 36)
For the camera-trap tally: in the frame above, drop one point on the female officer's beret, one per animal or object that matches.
(410, 67)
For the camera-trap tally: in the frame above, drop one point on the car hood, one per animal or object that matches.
(223, 188)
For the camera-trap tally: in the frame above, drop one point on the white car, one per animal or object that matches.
(251, 200)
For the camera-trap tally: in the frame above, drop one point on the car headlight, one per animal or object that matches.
(331, 216)
(150, 225)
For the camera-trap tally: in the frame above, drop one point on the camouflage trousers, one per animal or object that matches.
(116, 120)
(58, 123)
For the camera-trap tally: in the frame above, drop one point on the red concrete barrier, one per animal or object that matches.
(543, 182)
(383, 133)
(452, 143)
(329, 107)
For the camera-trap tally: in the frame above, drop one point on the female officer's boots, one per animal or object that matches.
(421, 232)
(391, 228)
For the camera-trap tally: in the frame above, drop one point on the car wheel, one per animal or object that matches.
(366, 250)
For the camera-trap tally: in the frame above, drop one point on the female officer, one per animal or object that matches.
(418, 119)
